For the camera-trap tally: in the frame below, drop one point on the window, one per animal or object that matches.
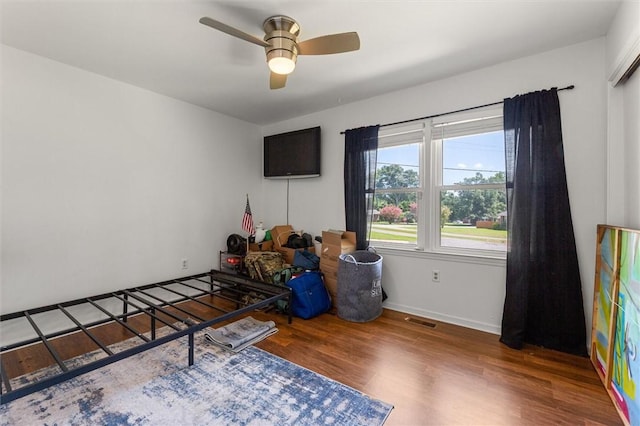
(440, 185)
(399, 186)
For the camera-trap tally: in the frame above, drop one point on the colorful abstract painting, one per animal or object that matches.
(607, 255)
(626, 361)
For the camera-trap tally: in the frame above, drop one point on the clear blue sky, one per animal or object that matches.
(463, 156)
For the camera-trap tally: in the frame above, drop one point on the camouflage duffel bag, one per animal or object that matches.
(282, 276)
(261, 265)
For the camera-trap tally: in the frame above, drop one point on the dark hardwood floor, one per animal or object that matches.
(447, 375)
(442, 375)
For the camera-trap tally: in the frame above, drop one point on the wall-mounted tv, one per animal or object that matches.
(293, 154)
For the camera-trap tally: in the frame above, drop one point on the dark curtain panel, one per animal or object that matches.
(543, 304)
(360, 153)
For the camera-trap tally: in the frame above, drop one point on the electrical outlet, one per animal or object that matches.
(185, 263)
(435, 276)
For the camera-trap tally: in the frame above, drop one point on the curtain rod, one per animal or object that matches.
(454, 112)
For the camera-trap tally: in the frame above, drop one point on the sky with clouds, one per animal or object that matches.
(463, 156)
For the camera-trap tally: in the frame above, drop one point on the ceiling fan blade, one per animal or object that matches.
(232, 31)
(333, 43)
(277, 81)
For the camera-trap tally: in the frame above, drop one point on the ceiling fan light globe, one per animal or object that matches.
(281, 65)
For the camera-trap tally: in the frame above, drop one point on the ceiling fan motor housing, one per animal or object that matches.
(282, 35)
(281, 23)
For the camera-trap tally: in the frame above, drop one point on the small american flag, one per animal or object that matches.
(247, 220)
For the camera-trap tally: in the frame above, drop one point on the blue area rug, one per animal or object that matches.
(157, 387)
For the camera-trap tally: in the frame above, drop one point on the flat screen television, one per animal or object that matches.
(293, 154)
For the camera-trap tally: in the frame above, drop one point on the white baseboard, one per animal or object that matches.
(450, 319)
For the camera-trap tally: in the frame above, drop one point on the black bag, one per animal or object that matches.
(306, 260)
(295, 241)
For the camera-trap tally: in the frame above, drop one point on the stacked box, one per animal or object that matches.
(334, 243)
(279, 235)
(263, 246)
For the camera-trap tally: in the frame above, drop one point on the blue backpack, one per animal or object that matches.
(310, 297)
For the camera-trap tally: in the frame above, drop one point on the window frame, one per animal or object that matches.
(399, 135)
(431, 165)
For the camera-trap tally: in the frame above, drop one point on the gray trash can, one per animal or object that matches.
(359, 291)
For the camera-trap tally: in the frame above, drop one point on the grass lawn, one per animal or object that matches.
(394, 232)
(376, 235)
(407, 232)
(472, 231)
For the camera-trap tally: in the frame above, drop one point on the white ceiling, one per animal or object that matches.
(159, 45)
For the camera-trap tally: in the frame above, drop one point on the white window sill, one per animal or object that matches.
(447, 257)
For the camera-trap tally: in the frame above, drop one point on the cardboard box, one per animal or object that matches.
(279, 235)
(343, 239)
(330, 270)
(263, 246)
(330, 275)
(288, 253)
(335, 243)
(332, 286)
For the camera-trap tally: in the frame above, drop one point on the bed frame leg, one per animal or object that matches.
(190, 349)
(152, 311)
(125, 308)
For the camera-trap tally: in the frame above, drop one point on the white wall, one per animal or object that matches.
(470, 293)
(623, 139)
(623, 37)
(106, 185)
(631, 107)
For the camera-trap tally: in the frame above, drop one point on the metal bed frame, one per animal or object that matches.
(246, 293)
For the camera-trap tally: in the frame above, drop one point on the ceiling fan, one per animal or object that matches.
(282, 46)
